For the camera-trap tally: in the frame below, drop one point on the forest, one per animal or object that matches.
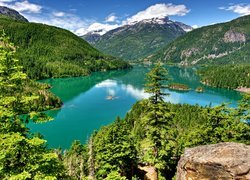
(154, 133)
(45, 51)
(228, 76)
(200, 45)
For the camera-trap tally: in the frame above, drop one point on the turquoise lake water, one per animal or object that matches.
(86, 107)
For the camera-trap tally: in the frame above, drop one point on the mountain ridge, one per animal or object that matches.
(223, 43)
(137, 40)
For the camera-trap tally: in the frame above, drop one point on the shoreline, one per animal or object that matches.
(243, 90)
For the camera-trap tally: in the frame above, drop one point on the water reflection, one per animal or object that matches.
(95, 101)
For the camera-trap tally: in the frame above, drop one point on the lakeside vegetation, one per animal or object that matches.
(46, 51)
(22, 155)
(154, 133)
(200, 89)
(228, 76)
(178, 86)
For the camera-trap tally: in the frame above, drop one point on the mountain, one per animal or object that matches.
(11, 13)
(47, 51)
(137, 40)
(92, 37)
(224, 43)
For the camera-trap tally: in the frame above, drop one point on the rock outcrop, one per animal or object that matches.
(232, 36)
(217, 161)
(149, 172)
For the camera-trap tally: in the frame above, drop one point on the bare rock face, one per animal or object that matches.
(189, 52)
(218, 161)
(149, 172)
(232, 36)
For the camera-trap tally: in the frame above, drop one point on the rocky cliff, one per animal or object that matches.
(217, 161)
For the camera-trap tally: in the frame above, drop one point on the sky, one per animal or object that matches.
(83, 16)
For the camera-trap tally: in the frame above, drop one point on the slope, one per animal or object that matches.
(11, 14)
(225, 43)
(47, 51)
(136, 41)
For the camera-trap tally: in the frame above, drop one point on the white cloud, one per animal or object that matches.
(59, 14)
(4, 1)
(45, 15)
(242, 9)
(195, 26)
(97, 27)
(26, 6)
(21, 6)
(155, 11)
(111, 18)
(67, 21)
(37, 13)
(159, 11)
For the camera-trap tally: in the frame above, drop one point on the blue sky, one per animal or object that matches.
(82, 16)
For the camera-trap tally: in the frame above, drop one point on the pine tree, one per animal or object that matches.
(158, 117)
(22, 156)
(155, 83)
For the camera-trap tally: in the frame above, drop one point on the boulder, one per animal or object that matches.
(216, 161)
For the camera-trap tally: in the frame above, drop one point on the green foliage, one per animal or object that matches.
(76, 160)
(46, 51)
(178, 86)
(200, 45)
(114, 175)
(155, 79)
(228, 76)
(160, 133)
(22, 156)
(114, 150)
(138, 41)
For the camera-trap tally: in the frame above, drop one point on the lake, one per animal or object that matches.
(87, 105)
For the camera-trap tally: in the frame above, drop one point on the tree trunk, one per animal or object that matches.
(91, 160)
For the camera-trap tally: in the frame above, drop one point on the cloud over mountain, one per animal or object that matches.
(158, 11)
(154, 11)
(22, 6)
(242, 9)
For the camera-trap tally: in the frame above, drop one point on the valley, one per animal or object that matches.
(132, 96)
(72, 121)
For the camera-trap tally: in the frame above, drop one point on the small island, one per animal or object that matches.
(199, 89)
(178, 86)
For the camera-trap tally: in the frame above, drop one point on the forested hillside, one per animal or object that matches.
(22, 155)
(225, 43)
(154, 134)
(229, 76)
(136, 41)
(47, 51)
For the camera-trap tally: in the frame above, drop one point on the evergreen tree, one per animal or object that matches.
(155, 83)
(157, 119)
(22, 156)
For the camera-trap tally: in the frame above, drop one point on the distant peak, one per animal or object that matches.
(11, 13)
(156, 20)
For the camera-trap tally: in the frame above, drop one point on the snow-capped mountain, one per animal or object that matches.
(137, 40)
